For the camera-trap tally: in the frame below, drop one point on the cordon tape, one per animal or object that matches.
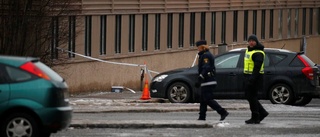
(147, 71)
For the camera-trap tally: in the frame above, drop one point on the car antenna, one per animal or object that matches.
(283, 45)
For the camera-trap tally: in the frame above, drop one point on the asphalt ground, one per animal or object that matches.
(126, 102)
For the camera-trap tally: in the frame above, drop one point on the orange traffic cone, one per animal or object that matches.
(145, 93)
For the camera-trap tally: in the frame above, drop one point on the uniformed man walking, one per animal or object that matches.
(253, 72)
(207, 82)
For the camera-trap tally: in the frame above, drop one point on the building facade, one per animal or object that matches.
(162, 33)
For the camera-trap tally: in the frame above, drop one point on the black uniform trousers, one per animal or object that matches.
(206, 99)
(251, 93)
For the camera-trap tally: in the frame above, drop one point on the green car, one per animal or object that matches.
(33, 98)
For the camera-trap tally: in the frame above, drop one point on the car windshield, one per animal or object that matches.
(53, 75)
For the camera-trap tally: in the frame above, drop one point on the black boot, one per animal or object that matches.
(202, 117)
(223, 114)
(263, 115)
(255, 118)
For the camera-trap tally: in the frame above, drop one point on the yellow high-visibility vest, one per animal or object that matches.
(249, 64)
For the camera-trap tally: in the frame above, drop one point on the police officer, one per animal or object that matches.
(253, 73)
(207, 82)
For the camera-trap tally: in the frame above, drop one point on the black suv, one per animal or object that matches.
(290, 78)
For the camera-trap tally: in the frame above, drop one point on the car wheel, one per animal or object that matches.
(302, 101)
(178, 93)
(281, 94)
(19, 125)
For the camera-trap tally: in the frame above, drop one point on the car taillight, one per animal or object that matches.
(30, 67)
(307, 70)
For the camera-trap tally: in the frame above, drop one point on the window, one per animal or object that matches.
(318, 21)
(118, 34)
(181, 29)
(72, 36)
(235, 26)
(296, 62)
(304, 18)
(245, 28)
(276, 58)
(271, 24)
(103, 24)
(192, 28)
(169, 31)
(203, 25)
(266, 62)
(263, 24)
(55, 37)
(213, 30)
(227, 61)
(296, 23)
(280, 24)
(157, 32)
(144, 32)
(131, 32)
(3, 74)
(311, 21)
(289, 23)
(223, 30)
(18, 75)
(88, 27)
(254, 30)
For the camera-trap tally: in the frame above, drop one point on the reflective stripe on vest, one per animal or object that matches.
(249, 64)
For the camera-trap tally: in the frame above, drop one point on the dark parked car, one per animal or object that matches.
(33, 98)
(290, 78)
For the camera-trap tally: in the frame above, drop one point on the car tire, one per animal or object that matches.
(281, 94)
(302, 101)
(179, 92)
(19, 124)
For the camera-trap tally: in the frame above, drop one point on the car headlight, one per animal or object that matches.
(160, 78)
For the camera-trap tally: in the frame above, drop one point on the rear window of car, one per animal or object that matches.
(52, 74)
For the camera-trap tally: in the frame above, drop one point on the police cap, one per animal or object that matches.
(201, 42)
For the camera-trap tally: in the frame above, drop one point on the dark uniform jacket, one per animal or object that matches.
(206, 68)
(258, 59)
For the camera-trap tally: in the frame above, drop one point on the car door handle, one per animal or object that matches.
(232, 74)
(268, 73)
